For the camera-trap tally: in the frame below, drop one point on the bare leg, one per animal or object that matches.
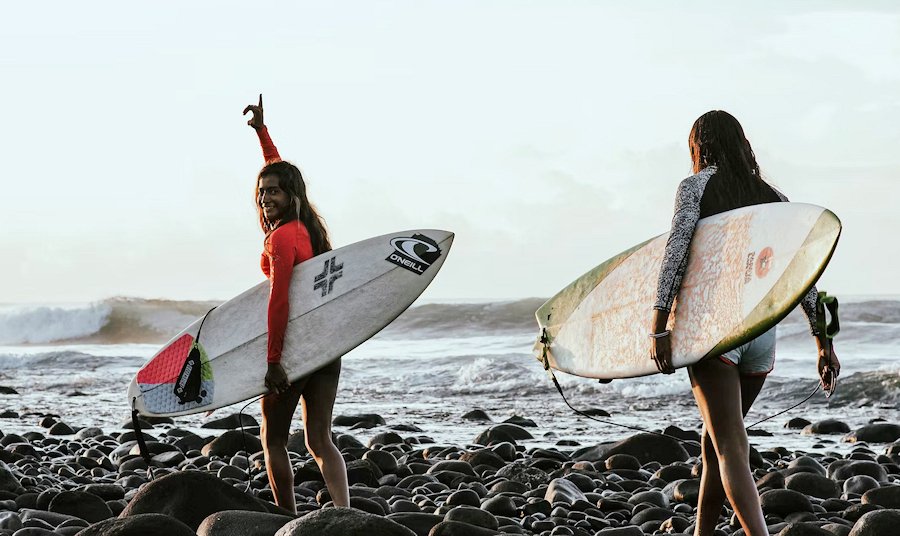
(318, 403)
(712, 494)
(715, 386)
(277, 414)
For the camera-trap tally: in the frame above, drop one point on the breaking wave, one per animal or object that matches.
(135, 320)
(112, 321)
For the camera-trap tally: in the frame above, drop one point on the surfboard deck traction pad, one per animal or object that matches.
(158, 378)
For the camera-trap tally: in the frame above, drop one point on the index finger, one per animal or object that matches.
(260, 100)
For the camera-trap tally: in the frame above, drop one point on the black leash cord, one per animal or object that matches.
(244, 438)
(795, 406)
(591, 417)
(135, 416)
(545, 341)
(197, 338)
(139, 435)
(546, 362)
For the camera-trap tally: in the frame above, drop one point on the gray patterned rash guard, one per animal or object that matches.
(675, 260)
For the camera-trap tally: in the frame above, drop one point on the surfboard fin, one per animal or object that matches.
(187, 386)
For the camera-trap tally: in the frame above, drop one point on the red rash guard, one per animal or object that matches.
(285, 247)
(270, 152)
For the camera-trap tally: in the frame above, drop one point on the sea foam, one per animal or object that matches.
(42, 324)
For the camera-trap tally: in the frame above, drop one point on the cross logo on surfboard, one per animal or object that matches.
(331, 272)
(415, 253)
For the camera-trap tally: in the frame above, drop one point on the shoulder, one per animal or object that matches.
(698, 180)
(284, 237)
(693, 186)
(300, 231)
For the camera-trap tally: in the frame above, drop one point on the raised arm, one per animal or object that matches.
(270, 152)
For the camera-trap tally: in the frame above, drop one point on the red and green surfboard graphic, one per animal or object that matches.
(178, 378)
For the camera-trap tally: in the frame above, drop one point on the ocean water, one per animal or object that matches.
(436, 362)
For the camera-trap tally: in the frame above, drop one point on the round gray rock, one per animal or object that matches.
(645, 447)
(87, 506)
(875, 433)
(189, 496)
(812, 484)
(878, 523)
(473, 516)
(827, 426)
(139, 525)
(242, 523)
(886, 497)
(524, 474)
(564, 491)
(860, 484)
(343, 522)
(782, 502)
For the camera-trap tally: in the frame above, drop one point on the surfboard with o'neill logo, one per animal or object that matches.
(747, 269)
(338, 300)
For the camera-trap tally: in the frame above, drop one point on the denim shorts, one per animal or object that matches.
(755, 358)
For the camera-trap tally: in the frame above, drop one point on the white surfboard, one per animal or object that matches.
(747, 269)
(338, 300)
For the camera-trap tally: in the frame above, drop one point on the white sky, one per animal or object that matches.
(549, 135)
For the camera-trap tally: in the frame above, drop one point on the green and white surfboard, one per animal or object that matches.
(747, 269)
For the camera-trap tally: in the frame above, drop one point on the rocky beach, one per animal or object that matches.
(61, 480)
(449, 426)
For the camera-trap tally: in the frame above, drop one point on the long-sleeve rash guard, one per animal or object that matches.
(270, 152)
(688, 211)
(285, 247)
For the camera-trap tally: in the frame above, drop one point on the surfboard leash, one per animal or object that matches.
(139, 436)
(244, 438)
(795, 406)
(545, 343)
(828, 329)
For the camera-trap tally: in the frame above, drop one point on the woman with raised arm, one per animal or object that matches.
(726, 176)
(294, 233)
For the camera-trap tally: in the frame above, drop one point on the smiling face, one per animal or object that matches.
(274, 202)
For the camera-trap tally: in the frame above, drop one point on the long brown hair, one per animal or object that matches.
(291, 181)
(717, 139)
